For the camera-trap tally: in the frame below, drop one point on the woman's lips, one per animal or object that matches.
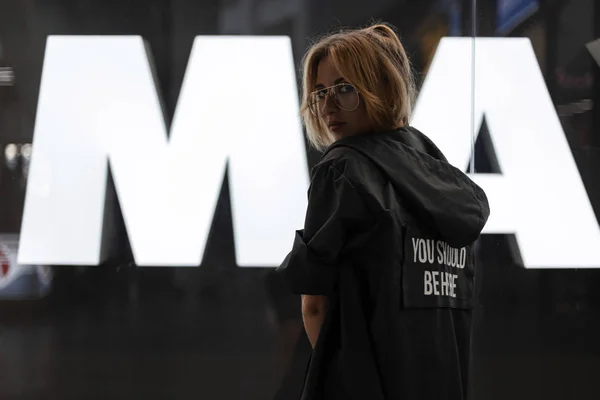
(336, 126)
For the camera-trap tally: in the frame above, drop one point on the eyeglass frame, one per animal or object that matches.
(328, 94)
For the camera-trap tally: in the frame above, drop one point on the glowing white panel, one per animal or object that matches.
(540, 196)
(594, 48)
(98, 105)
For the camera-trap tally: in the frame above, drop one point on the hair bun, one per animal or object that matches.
(385, 31)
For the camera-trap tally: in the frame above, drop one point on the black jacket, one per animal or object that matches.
(388, 237)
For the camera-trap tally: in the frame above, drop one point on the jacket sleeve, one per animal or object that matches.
(335, 214)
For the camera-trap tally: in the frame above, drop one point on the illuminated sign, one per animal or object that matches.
(98, 110)
(18, 281)
(594, 49)
(510, 13)
(539, 197)
(7, 76)
(98, 107)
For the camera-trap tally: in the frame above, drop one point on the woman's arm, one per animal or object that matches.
(313, 314)
(335, 214)
(334, 209)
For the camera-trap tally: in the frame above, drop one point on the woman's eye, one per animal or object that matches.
(346, 88)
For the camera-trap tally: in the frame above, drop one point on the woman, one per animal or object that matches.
(385, 261)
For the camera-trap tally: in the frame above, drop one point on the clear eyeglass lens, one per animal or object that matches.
(343, 95)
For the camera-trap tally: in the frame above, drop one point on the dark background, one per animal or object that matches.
(223, 332)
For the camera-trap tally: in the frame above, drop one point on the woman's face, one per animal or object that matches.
(337, 103)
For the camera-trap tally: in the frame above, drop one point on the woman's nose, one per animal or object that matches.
(329, 105)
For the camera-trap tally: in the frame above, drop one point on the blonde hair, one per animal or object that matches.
(374, 61)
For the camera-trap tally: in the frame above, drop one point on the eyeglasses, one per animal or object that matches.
(344, 95)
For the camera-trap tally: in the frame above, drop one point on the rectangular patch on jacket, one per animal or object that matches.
(435, 274)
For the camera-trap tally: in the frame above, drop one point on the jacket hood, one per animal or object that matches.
(436, 193)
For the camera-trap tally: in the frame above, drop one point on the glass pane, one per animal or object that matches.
(227, 331)
(537, 89)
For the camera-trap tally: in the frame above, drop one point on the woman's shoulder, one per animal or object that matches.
(344, 159)
(350, 163)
